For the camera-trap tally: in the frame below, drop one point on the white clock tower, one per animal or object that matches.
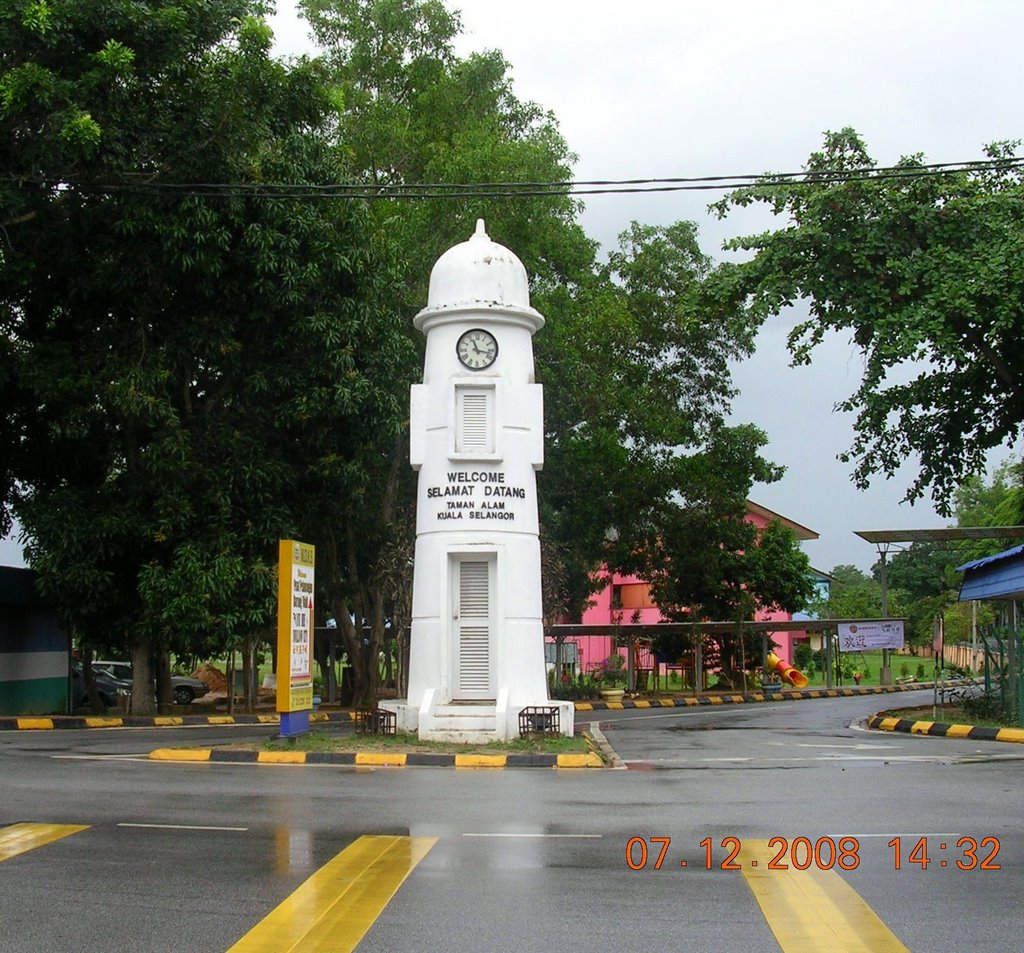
(477, 439)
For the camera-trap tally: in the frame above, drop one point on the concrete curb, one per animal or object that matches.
(609, 754)
(881, 722)
(379, 759)
(689, 701)
(59, 722)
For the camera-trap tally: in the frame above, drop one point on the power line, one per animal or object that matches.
(449, 190)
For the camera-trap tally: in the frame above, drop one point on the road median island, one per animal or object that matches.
(886, 721)
(379, 752)
(745, 698)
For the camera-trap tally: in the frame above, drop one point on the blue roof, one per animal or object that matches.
(986, 560)
(994, 577)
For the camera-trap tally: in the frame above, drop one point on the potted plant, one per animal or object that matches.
(612, 678)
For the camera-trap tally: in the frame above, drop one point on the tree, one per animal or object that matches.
(998, 502)
(853, 595)
(195, 372)
(414, 112)
(635, 366)
(706, 561)
(634, 355)
(922, 570)
(184, 364)
(924, 269)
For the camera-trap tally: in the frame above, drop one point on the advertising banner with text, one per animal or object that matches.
(869, 635)
(295, 569)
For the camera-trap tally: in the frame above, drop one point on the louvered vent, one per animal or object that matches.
(476, 421)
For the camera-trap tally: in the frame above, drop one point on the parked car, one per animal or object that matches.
(184, 689)
(110, 689)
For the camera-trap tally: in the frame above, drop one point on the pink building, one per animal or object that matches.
(627, 599)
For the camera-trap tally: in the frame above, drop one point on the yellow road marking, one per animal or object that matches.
(333, 909)
(21, 838)
(35, 723)
(959, 731)
(813, 911)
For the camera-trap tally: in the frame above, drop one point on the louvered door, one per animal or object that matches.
(474, 601)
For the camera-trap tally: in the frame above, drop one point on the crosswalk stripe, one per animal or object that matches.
(813, 911)
(335, 907)
(20, 838)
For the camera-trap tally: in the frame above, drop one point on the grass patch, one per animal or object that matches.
(947, 715)
(318, 740)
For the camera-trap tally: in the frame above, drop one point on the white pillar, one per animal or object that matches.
(477, 440)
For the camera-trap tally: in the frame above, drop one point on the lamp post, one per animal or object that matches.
(885, 675)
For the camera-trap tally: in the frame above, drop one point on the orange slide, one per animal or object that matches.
(786, 672)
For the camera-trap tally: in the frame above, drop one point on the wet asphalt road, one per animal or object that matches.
(526, 860)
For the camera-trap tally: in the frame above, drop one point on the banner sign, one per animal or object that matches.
(295, 567)
(875, 634)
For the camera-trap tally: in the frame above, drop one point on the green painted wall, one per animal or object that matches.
(37, 696)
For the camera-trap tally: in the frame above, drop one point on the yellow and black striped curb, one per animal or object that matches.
(380, 759)
(689, 701)
(36, 722)
(908, 726)
(44, 722)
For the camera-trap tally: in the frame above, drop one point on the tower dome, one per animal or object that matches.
(476, 275)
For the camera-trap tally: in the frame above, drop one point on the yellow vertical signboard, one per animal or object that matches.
(295, 569)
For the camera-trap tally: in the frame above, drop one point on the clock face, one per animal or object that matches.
(477, 349)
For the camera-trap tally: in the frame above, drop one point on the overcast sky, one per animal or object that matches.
(662, 89)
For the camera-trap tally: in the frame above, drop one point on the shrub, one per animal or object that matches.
(573, 689)
(983, 707)
(803, 656)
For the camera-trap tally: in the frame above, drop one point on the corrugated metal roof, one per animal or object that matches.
(994, 577)
(988, 560)
(940, 535)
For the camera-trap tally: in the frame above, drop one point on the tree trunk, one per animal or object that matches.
(164, 690)
(92, 695)
(143, 702)
(248, 651)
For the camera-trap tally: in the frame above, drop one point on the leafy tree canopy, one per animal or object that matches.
(924, 271)
(185, 371)
(191, 376)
